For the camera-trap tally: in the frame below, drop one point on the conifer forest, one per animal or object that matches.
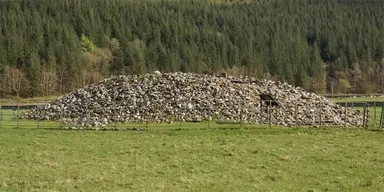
(50, 47)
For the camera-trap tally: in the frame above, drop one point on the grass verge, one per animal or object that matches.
(166, 159)
(358, 99)
(27, 101)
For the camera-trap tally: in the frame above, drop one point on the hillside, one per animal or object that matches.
(50, 47)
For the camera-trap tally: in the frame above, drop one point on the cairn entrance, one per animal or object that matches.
(271, 104)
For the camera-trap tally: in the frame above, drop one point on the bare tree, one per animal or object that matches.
(48, 82)
(16, 81)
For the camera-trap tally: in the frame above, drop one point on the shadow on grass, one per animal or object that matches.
(93, 130)
(376, 130)
(262, 129)
(155, 129)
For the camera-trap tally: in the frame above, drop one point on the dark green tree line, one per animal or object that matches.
(59, 46)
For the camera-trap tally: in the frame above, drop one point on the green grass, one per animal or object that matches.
(373, 122)
(358, 99)
(25, 101)
(200, 159)
(9, 120)
(190, 157)
(34, 99)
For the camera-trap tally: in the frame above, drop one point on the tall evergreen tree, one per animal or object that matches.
(291, 41)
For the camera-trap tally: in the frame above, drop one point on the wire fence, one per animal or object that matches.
(294, 116)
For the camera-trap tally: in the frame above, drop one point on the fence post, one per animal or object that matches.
(374, 112)
(275, 112)
(61, 117)
(364, 112)
(115, 116)
(345, 114)
(38, 122)
(241, 115)
(296, 115)
(261, 112)
(1, 118)
(269, 114)
(365, 115)
(1, 115)
(180, 121)
(115, 119)
(209, 117)
(87, 116)
(313, 116)
(382, 115)
(321, 114)
(17, 115)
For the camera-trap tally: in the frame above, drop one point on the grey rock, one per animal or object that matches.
(173, 97)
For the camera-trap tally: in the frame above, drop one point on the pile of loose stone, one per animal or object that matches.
(172, 97)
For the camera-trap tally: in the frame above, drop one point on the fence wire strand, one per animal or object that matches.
(10, 117)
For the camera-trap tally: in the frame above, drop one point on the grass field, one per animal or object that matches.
(190, 157)
(373, 122)
(358, 99)
(9, 120)
(254, 159)
(375, 112)
(26, 101)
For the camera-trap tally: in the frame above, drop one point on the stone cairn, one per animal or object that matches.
(170, 97)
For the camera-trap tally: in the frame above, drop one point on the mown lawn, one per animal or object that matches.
(162, 159)
(358, 99)
(27, 101)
